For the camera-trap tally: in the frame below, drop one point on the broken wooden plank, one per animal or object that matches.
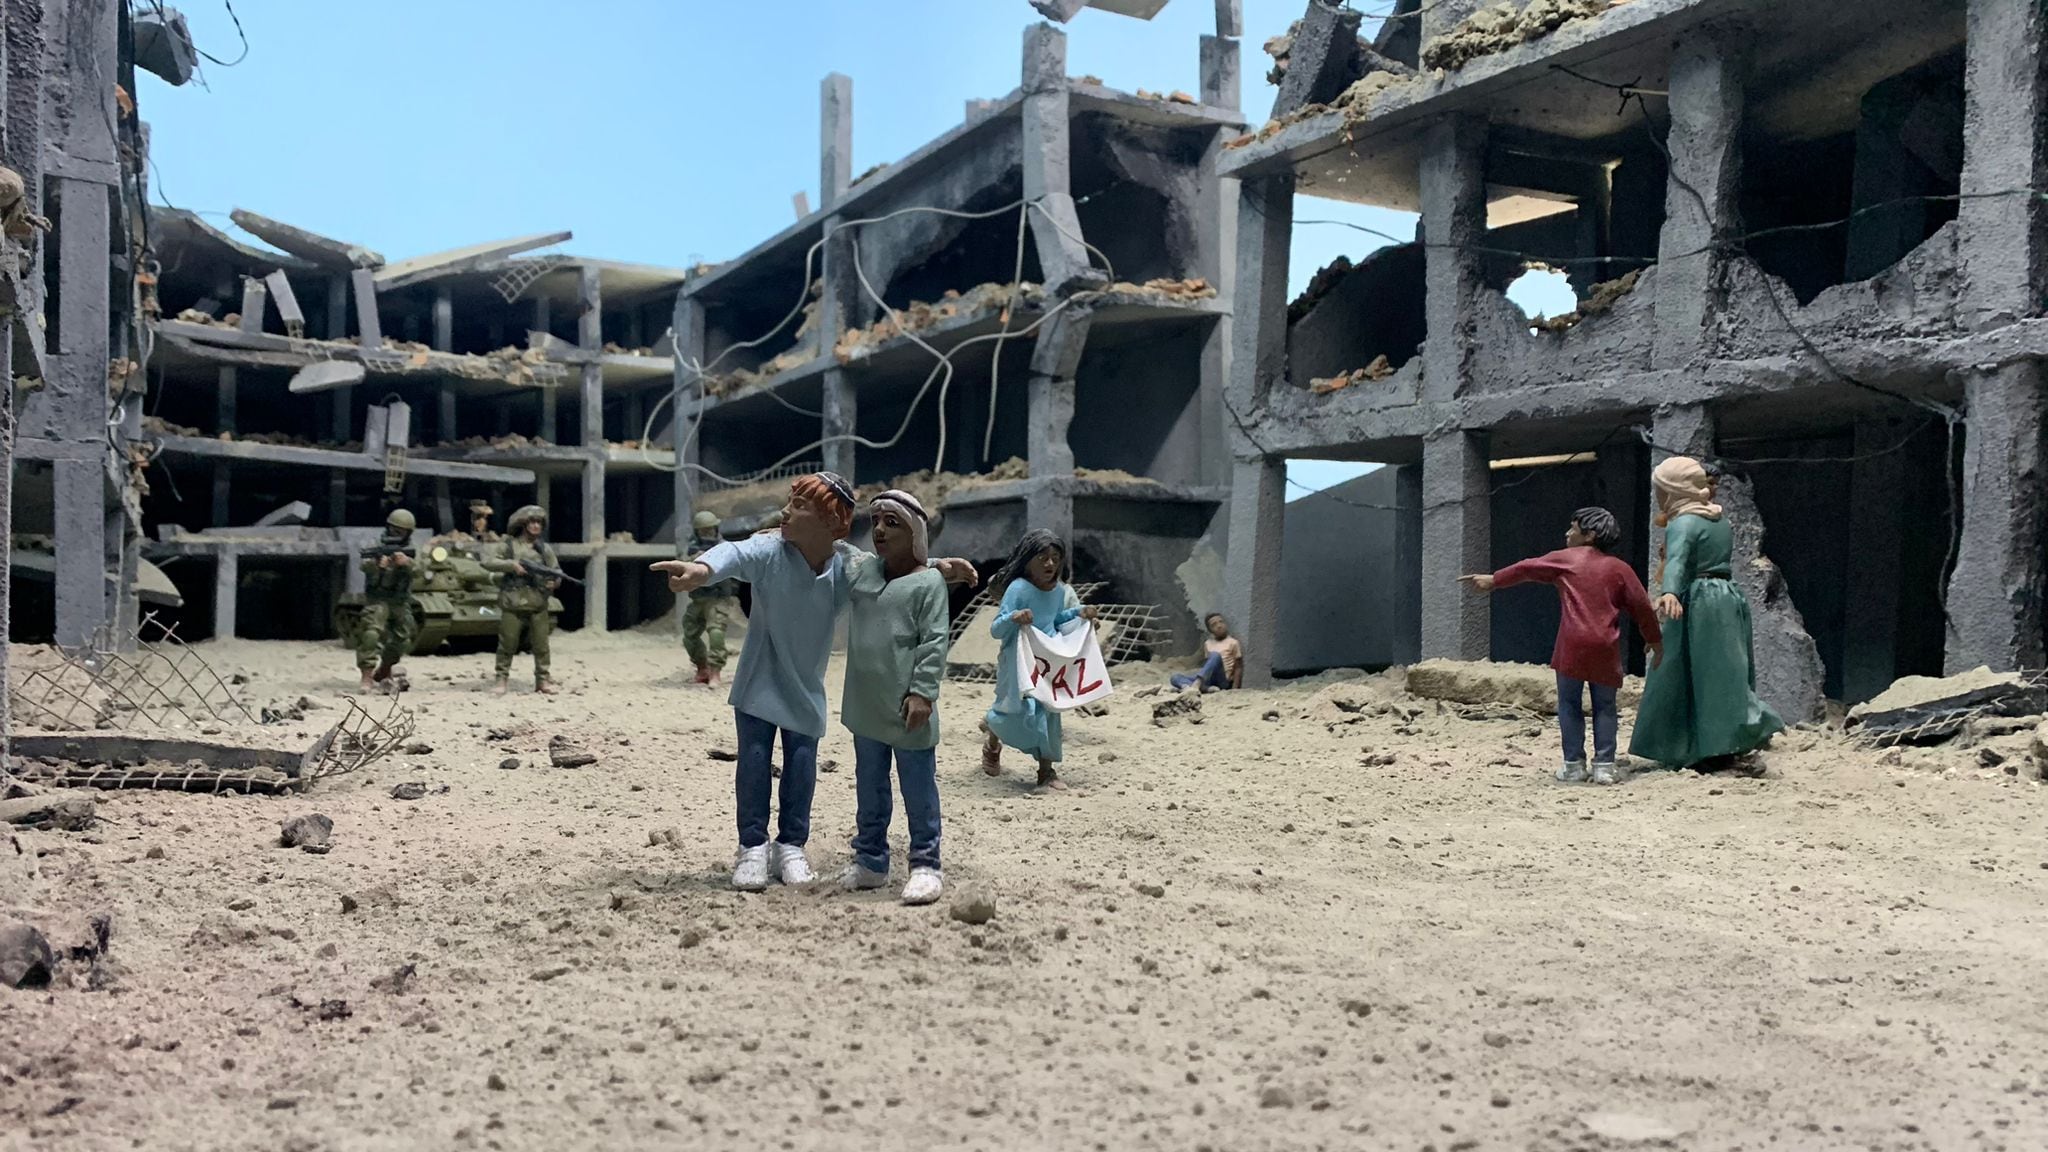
(324, 251)
(458, 260)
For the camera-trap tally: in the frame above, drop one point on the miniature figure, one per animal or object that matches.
(528, 573)
(1594, 588)
(898, 629)
(1222, 660)
(480, 513)
(800, 577)
(1033, 595)
(386, 631)
(705, 615)
(1700, 707)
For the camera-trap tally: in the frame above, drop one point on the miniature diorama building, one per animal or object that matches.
(1809, 247)
(1062, 249)
(322, 374)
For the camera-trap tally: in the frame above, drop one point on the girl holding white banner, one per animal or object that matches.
(1033, 596)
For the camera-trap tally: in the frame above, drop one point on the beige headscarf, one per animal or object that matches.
(912, 513)
(1683, 489)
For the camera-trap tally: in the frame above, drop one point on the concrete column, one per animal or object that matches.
(76, 382)
(1407, 598)
(590, 336)
(1453, 178)
(341, 413)
(444, 320)
(1703, 193)
(1222, 69)
(1053, 361)
(1877, 523)
(2002, 239)
(369, 328)
(227, 568)
(1258, 333)
(1251, 567)
(1457, 538)
(1678, 430)
(687, 391)
(1048, 161)
(1994, 595)
(1215, 212)
(835, 144)
(842, 408)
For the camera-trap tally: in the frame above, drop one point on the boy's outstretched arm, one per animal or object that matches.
(1479, 582)
(683, 575)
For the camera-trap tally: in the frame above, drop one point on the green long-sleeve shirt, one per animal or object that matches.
(897, 634)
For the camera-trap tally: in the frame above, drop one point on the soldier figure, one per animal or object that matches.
(523, 595)
(480, 522)
(705, 615)
(387, 625)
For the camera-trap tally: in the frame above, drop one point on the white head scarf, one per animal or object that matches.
(905, 506)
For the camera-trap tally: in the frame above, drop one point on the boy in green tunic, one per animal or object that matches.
(896, 639)
(1700, 706)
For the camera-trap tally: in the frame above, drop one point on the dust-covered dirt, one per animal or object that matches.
(1321, 917)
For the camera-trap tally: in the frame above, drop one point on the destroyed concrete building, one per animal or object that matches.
(320, 374)
(1063, 251)
(1807, 239)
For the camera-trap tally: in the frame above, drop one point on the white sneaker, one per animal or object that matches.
(791, 866)
(1573, 772)
(750, 871)
(924, 886)
(859, 879)
(1605, 774)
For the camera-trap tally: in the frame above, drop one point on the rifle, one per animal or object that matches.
(381, 549)
(535, 568)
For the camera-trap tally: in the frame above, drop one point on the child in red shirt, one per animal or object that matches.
(1594, 588)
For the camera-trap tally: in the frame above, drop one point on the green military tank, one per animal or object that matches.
(453, 598)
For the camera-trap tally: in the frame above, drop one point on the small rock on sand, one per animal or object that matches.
(974, 906)
(1276, 1097)
(410, 790)
(308, 833)
(25, 959)
(723, 755)
(509, 762)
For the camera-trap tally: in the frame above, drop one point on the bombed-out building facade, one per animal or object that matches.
(1026, 321)
(1807, 244)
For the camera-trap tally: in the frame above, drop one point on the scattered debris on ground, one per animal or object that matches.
(1930, 709)
(308, 833)
(1532, 687)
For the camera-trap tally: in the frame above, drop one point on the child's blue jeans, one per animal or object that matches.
(917, 770)
(1571, 719)
(1211, 675)
(754, 782)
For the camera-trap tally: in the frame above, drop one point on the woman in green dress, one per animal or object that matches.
(1700, 706)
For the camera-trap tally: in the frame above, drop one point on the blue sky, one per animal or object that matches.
(659, 132)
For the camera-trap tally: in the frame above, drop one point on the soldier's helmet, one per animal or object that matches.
(705, 521)
(400, 520)
(479, 508)
(517, 524)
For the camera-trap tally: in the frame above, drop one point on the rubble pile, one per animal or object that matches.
(1975, 720)
(1194, 288)
(919, 316)
(1378, 73)
(1503, 26)
(1175, 97)
(1604, 296)
(510, 442)
(158, 426)
(1379, 369)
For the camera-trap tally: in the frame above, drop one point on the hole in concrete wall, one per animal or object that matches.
(1542, 293)
(1886, 178)
(931, 255)
(1350, 568)
(1351, 315)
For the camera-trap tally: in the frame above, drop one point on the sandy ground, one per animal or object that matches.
(1241, 933)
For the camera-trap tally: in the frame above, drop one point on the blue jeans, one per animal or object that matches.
(918, 772)
(1571, 719)
(754, 780)
(1211, 675)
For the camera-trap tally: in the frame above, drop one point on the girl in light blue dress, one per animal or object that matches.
(1034, 596)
